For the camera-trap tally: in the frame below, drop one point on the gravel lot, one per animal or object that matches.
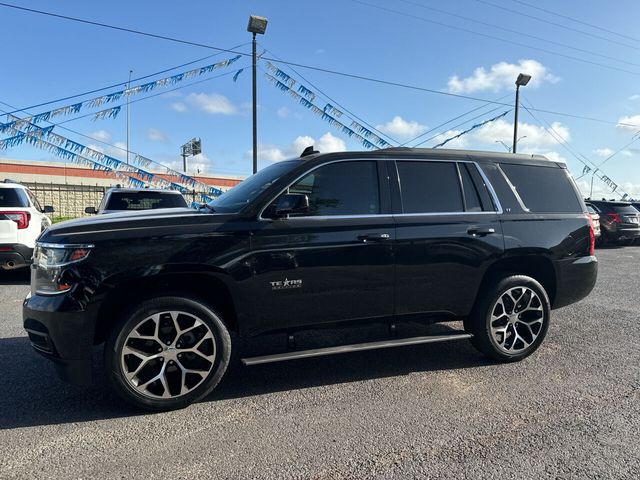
(572, 410)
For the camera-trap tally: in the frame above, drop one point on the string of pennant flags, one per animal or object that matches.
(604, 179)
(127, 92)
(44, 138)
(477, 125)
(306, 97)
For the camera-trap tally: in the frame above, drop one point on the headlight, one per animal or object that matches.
(50, 275)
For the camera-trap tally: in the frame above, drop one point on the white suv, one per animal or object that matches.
(22, 219)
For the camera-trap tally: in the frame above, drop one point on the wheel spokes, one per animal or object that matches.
(168, 354)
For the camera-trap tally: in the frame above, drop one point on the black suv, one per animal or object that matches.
(619, 221)
(340, 239)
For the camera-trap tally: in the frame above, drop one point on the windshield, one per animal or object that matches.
(233, 200)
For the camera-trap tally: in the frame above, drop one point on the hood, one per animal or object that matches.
(144, 223)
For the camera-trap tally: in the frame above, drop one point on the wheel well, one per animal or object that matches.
(537, 267)
(207, 288)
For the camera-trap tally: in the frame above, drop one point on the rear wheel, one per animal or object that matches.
(167, 353)
(510, 319)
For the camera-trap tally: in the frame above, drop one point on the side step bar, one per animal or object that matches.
(356, 347)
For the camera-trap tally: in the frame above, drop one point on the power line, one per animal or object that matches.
(447, 122)
(326, 70)
(133, 101)
(567, 17)
(543, 20)
(494, 37)
(336, 102)
(518, 32)
(122, 83)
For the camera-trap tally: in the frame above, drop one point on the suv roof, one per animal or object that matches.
(142, 190)
(436, 153)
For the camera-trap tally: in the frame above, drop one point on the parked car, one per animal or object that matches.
(619, 221)
(333, 240)
(22, 219)
(595, 218)
(131, 199)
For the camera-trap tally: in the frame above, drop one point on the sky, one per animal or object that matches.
(583, 56)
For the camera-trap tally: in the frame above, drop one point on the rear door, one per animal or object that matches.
(334, 263)
(447, 232)
(13, 202)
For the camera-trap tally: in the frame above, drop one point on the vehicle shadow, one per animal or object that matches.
(15, 277)
(33, 394)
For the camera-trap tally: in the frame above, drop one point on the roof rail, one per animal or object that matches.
(8, 180)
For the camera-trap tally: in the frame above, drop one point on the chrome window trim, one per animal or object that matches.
(492, 192)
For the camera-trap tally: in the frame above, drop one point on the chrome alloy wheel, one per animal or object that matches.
(168, 354)
(517, 318)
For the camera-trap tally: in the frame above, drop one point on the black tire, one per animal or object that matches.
(479, 323)
(152, 314)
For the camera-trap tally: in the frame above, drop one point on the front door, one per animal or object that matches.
(334, 263)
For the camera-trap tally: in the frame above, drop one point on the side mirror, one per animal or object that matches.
(90, 210)
(290, 203)
(47, 209)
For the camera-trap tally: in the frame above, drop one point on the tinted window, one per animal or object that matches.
(429, 187)
(471, 196)
(13, 197)
(625, 209)
(507, 199)
(34, 200)
(590, 209)
(342, 188)
(144, 201)
(543, 189)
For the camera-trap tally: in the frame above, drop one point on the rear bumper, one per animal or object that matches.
(623, 233)
(14, 255)
(576, 277)
(61, 330)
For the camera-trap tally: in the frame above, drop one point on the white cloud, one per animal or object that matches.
(283, 112)
(197, 164)
(501, 76)
(529, 135)
(325, 144)
(399, 127)
(156, 135)
(213, 103)
(629, 122)
(179, 107)
(603, 152)
(101, 135)
(635, 97)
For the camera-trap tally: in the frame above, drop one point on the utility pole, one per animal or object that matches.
(521, 81)
(257, 25)
(128, 115)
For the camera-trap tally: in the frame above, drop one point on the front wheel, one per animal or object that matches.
(510, 319)
(167, 353)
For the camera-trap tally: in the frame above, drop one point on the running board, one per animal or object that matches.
(356, 347)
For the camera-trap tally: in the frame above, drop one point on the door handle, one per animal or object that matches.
(374, 237)
(481, 231)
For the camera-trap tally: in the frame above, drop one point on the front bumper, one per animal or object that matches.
(576, 277)
(15, 255)
(62, 330)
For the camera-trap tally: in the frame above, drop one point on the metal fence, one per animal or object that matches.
(68, 201)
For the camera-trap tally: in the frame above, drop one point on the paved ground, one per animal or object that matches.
(433, 411)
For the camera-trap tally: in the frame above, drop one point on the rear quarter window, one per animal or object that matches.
(543, 189)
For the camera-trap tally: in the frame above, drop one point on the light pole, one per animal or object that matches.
(128, 116)
(257, 25)
(521, 81)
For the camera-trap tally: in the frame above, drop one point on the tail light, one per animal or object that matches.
(614, 217)
(21, 218)
(592, 236)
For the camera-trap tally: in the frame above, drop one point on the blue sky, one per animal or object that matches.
(47, 58)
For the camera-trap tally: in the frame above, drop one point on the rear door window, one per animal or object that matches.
(429, 187)
(625, 209)
(13, 197)
(543, 189)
